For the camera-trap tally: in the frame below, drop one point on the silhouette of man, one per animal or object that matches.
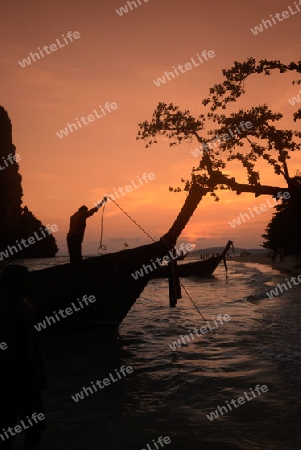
(76, 232)
(22, 373)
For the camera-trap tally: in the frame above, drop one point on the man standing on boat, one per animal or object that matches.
(76, 231)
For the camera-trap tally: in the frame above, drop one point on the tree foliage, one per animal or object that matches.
(283, 231)
(263, 142)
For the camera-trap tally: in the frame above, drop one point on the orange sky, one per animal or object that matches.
(116, 59)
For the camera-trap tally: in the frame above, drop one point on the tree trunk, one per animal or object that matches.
(193, 199)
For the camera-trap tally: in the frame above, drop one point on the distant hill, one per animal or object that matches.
(238, 250)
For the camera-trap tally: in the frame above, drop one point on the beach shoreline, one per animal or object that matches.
(290, 264)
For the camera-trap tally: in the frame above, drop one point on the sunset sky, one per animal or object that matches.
(115, 59)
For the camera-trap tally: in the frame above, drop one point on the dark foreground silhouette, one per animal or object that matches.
(22, 375)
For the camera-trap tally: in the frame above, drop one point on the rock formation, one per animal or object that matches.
(16, 222)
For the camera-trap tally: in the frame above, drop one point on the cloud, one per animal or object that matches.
(121, 239)
(42, 176)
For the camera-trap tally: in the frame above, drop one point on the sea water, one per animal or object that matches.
(172, 392)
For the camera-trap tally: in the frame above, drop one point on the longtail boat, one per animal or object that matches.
(182, 256)
(195, 268)
(107, 277)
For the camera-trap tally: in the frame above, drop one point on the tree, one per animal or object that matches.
(264, 142)
(283, 231)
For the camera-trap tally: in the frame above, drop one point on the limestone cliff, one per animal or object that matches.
(16, 222)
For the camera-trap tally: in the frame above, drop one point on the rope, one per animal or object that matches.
(101, 245)
(144, 231)
(147, 234)
(182, 285)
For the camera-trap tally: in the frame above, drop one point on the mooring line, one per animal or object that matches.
(147, 234)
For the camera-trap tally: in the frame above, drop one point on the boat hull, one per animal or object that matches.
(200, 269)
(109, 278)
